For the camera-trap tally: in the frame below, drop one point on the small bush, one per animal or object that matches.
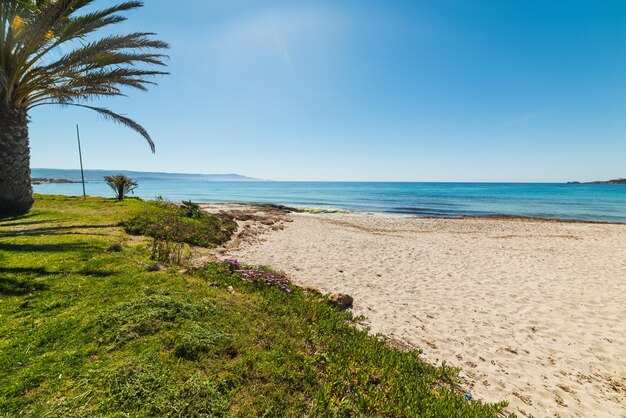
(170, 223)
(192, 210)
(152, 267)
(115, 248)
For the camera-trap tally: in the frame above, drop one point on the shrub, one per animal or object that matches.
(192, 210)
(167, 222)
(115, 248)
(152, 267)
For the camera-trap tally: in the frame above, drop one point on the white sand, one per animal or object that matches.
(533, 312)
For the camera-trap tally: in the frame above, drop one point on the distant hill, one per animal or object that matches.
(97, 175)
(616, 181)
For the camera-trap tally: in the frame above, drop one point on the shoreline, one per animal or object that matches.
(315, 210)
(513, 218)
(529, 309)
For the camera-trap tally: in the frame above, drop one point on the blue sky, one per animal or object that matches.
(516, 90)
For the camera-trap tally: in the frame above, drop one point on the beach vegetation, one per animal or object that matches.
(90, 332)
(46, 60)
(174, 228)
(153, 265)
(170, 222)
(192, 210)
(121, 185)
(117, 247)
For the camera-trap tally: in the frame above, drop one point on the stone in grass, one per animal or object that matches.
(340, 300)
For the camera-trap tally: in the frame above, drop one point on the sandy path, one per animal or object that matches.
(534, 312)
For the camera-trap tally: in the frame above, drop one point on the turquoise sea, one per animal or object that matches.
(603, 202)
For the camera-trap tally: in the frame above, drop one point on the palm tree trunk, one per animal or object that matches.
(16, 192)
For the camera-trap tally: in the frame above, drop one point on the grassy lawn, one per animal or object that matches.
(86, 329)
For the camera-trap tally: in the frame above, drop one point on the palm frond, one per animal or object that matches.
(112, 116)
(82, 58)
(71, 86)
(34, 72)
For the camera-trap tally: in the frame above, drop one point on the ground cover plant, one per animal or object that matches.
(86, 329)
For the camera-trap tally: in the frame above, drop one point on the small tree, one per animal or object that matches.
(121, 185)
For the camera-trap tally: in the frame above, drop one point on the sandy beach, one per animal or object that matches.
(531, 311)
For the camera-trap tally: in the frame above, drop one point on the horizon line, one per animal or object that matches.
(256, 179)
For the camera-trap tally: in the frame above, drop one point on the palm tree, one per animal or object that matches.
(121, 185)
(48, 57)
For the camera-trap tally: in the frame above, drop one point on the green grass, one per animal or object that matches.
(86, 330)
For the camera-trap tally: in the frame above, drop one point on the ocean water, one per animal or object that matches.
(558, 201)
